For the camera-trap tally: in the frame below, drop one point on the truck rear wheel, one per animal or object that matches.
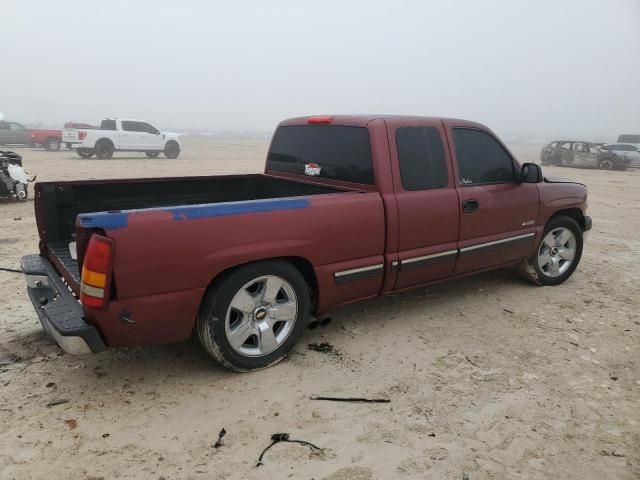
(558, 254)
(85, 152)
(252, 317)
(52, 144)
(104, 149)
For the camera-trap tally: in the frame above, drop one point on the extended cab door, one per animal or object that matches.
(427, 202)
(498, 214)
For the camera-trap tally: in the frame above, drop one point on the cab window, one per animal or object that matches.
(481, 159)
(421, 156)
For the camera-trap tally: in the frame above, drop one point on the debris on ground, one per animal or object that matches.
(71, 423)
(466, 357)
(507, 310)
(60, 401)
(284, 437)
(105, 435)
(220, 442)
(611, 453)
(11, 270)
(353, 399)
(50, 384)
(324, 347)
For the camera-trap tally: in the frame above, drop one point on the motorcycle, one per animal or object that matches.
(13, 180)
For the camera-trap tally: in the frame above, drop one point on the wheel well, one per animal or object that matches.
(300, 263)
(104, 140)
(574, 213)
(170, 142)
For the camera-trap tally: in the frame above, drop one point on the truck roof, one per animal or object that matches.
(363, 120)
(125, 119)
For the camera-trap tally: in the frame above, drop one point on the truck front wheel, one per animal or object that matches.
(252, 317)
(172, 150)
(557, 255)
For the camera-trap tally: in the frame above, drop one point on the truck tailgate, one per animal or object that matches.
(70, 135)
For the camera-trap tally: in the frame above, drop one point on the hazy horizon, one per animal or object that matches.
(541, 68)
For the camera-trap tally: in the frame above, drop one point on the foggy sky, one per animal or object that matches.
(542, 67)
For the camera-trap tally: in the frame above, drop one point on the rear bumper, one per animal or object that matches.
(59, 311)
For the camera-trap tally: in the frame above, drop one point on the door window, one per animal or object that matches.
(481, 159)
(129, 126)
(16, 127)
(421, 155)
(148, 128)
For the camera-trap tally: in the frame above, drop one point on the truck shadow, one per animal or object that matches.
(149, 365)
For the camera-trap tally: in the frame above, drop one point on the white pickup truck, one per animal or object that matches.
(122, 135)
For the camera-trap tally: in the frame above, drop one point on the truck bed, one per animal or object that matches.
(59, 203)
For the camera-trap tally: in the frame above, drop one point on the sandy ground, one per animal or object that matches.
(488, 377)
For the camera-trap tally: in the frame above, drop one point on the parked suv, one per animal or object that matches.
(13, 133)
(569, 153)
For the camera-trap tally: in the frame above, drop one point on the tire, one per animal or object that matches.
(52, 144)
(152, 154)
(605, 164)
(104, 149)
(85, 152)
(235, 324)
(557, 255)
(172, 150)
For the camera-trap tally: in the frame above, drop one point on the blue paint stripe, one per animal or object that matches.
(120, 219)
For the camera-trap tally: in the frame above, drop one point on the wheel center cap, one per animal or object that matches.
(554, 251)
(260, 314)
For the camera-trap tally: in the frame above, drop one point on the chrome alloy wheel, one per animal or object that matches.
(261, 316)
(556, 252)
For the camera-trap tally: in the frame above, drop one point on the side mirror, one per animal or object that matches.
(531, 173)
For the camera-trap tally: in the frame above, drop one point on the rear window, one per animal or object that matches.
(326, 151)
(108, 125)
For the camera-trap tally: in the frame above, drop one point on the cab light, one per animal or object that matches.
(326, 119)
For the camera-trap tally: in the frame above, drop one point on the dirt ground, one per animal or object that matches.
(488, 377)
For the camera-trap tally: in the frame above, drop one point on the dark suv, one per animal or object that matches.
(569, 153)
(12, 133)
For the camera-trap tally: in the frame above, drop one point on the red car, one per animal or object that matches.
(49, 139)
(349, 208)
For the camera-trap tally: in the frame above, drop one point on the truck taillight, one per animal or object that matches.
(96, 272)
(327, 119)
(82, 135)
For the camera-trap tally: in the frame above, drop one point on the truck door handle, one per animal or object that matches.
(469, 206)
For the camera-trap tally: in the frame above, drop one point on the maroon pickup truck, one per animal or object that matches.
(348, 208)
